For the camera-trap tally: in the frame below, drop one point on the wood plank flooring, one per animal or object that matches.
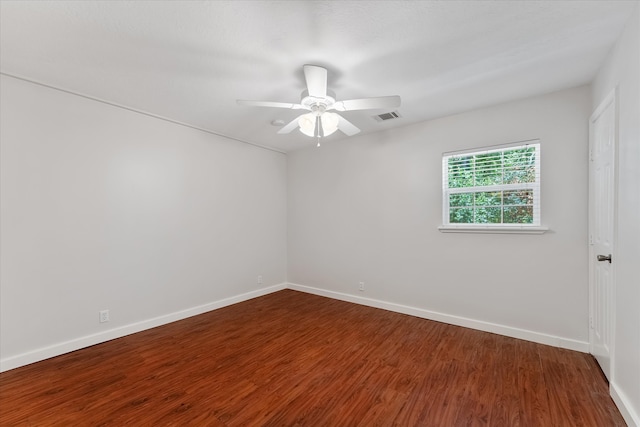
(293, 359)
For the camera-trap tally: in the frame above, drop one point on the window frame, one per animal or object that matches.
(533, 228)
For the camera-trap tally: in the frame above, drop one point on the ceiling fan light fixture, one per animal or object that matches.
(308, 124)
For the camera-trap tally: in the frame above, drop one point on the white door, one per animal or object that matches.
(602, 146)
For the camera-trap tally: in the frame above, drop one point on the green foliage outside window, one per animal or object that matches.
(515, 166)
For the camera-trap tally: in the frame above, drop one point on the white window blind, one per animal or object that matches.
(495, 186)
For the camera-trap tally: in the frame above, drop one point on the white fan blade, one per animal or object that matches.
(293, 124)
(367, 103)
(316, 78)
(270, 104)
(346, 126)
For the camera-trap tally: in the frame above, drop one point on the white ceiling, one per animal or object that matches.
(190, 60)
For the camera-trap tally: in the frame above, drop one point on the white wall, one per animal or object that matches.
(367, 209)
(622, 70)
(105, 208)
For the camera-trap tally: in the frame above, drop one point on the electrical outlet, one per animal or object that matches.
(259, 280)
(361, 287)
(104, 316)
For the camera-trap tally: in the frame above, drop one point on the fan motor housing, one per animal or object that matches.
(314, 103)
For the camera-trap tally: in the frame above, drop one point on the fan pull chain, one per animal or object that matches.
(319, 129)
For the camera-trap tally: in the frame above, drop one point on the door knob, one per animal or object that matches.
(605, 258)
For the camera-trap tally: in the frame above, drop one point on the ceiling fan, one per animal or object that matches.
(320, 121)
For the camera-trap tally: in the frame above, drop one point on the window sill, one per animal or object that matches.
(492, 229)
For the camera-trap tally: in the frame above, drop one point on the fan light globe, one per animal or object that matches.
(329, 123)
(307, 123)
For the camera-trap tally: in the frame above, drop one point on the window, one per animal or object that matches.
(492, 188)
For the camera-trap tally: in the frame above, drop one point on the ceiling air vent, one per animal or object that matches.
(387, 116)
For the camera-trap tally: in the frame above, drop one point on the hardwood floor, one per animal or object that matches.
(293, 359)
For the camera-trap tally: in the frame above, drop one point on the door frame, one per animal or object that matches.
(610, 99)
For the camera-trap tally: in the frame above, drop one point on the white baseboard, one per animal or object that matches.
(89, 340)
(86, 341)
(631, 417)
(509, 331)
